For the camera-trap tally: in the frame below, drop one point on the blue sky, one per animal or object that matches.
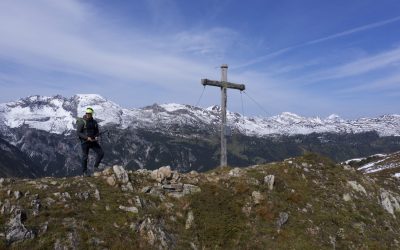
(313, 58)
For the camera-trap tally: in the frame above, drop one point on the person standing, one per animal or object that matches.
(88, 133)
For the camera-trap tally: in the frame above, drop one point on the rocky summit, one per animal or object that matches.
(307, 202)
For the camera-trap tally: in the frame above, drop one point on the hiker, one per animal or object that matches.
(88, 133)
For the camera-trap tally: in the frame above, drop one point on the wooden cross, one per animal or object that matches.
(224, 85)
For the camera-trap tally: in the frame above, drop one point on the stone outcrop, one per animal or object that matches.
(389, 201)
(357, 187)
(16, 231)
(269, 180)
(153, 232)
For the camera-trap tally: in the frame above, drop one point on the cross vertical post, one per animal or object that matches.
(224, 85)
(224, 99)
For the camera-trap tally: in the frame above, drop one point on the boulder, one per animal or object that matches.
(111, 180)
(16, 231)
(269, 181)
(357, 187)
(153, 233)
(129, 209)
(6, 207)
(17, 194)
(162, 174)
(257, 197)
(346, 197)
(177, 187)
(282, 219)
(190, 189)
(389, 202)
(189, 220)
(236, 172)
(107, 172)
(97, 194)
(36, 205)
(121, 174)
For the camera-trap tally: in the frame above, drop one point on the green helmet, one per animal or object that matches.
(89, 110)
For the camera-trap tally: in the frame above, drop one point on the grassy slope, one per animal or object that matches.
(318, 216)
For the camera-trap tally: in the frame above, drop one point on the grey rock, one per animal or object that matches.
(36, 205)
(1, 181)
(65, 196)
(283, 218)
(43, 228)
(6, 208)
(83, 195)
(236, 172)
(16, 231)
(257, 197)
(357, 187)
(175, 177)
(127, 187)
(17, 194)
(121, 174)
(129, 209)
(346, 197)
(96, 194)
(190, 189)
(178, 187)
(111, 180)
(389, 202)
(189, 220)
(193, 246)
(304, 164)
(162, 174)
(269, 181)
(153, 233)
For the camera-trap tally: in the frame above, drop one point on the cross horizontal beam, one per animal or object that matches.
(229, 85)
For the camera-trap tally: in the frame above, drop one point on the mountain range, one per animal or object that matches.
(58, 114)
(186, 137)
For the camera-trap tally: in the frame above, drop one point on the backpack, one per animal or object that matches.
(80, 121)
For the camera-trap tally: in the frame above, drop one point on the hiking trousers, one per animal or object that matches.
(94, 145)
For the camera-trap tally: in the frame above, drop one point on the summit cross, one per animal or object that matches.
(224, 85)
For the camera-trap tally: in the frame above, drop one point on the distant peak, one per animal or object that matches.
(333, 117)
(290, 115)
(170, 107)
(90, 96)
(214, 108)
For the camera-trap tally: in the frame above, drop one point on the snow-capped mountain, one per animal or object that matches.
(58, 114)
(383, 165)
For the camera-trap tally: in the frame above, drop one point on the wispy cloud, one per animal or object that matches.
(319, 40)
(355, 30)
(388, 83)
(358, 67)
(61, 36)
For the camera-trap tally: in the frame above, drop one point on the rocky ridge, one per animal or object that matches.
(305, 202)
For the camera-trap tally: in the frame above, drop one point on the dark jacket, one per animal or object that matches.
(87, 128)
